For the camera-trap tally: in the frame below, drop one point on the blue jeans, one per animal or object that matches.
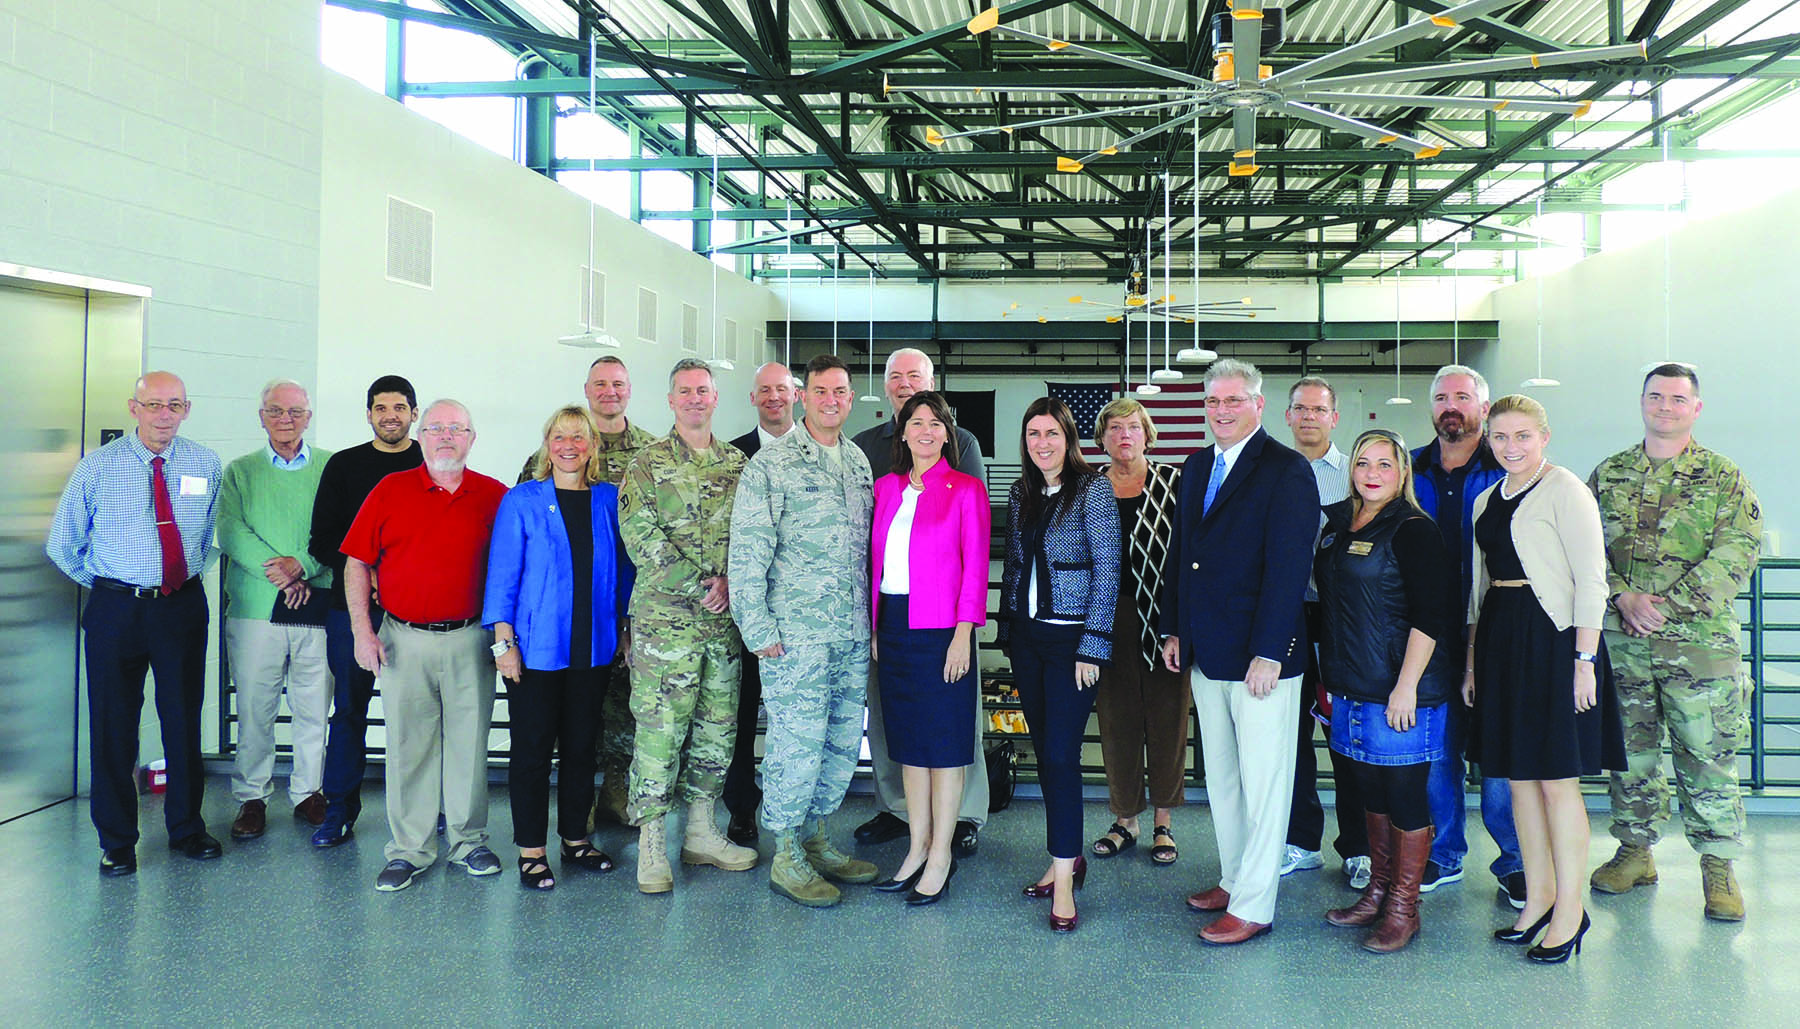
(347, 740)
(1444, 792)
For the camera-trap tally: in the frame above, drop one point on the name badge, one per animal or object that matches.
(1360, 548)
(193, 485)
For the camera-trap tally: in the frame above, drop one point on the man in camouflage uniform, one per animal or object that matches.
(1683, 530)
(799, 575)
(608, 390)
(675, 519)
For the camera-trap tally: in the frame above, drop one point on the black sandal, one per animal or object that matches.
(1160, 852)
(535, 873)
(587, 856)
(1105, 847)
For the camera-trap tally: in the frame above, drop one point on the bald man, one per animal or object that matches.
(135, 526)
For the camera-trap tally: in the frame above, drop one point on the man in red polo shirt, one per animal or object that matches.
(423, 534)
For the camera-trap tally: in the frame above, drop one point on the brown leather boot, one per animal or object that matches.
(1381, 865)
(1400, 916)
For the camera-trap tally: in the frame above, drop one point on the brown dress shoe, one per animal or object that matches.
(1231, 929)
(311, 810)
(1214, 899)
(251, 820)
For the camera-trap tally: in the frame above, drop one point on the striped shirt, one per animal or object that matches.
(105, 524)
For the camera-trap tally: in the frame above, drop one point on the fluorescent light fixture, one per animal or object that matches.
(1398, 401)
(589, 341)
(1196, 355)
(1540, 383)
(1148, 389)
(1165, 375)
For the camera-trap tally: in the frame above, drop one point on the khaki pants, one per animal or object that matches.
(1248, 745)
(265, 657)
(437, 692)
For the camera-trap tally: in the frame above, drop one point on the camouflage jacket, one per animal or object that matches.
(616, 451)
(675, 518)
(800, 544)
(1688, 530)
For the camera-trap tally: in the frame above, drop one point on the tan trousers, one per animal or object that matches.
(1248, 745)
(265, 658)
(437, 695)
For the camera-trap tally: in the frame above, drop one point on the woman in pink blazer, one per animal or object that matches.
(930, 551)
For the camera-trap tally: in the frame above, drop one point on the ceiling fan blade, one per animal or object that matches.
(1389, 40)
(1476, 103)
(1065, 119)
(1470, 69)
(1156, 130)
(1375, 133)
(1064, 46)
(1246, 40)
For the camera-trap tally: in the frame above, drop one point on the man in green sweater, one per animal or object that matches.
(274, 623)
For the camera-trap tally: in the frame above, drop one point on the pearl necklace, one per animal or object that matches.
(1509, 497)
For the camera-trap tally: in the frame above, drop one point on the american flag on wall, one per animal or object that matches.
(1178, 411)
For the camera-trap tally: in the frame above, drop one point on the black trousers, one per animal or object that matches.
(547, 709)
(741, 794)
(1397, 791)
(1056, 715)
(1306, 817)
(123, 638)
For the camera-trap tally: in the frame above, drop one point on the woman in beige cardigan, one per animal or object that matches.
(1536, 672)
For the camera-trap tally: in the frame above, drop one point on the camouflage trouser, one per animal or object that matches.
(684, 689)
(613, 749)
(814, 695)
(1702, 696)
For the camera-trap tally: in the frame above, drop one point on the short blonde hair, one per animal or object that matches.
(1519, 403)
(569, 416)
(1123, 407)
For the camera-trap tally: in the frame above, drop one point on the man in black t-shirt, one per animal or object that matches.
(346, 482)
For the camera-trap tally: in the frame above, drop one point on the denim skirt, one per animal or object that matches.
(1360, 732)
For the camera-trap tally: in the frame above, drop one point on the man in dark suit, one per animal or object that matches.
(1232, 609)
(772, 394)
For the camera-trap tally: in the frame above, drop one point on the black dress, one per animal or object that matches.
(1526, 725)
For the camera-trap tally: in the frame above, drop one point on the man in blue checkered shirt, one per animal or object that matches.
(135, 526)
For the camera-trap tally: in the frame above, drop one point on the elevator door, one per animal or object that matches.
(42, 346)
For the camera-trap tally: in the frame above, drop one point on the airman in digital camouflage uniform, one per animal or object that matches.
(799, 575)
(1683, 531)
(675, 518)
(608, 390)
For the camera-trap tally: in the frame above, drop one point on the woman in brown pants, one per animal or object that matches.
(1144, 709)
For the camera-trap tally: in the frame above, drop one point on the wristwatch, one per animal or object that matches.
(502, 646)
(1583, 655)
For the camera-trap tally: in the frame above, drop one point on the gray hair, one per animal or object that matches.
(446, 402)
(689, 364)
(274, 384)
(1318, 381)
(1232, 368)
(930, 372)
(1481, 386)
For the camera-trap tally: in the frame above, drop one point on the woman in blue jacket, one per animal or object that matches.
(557, 588)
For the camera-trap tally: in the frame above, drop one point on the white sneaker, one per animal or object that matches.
(1296, 859)
(1358, 871)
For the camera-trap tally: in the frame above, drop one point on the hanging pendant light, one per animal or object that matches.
(1148, 389)
(870, 396)
(1540, 381)
(1197, 354)
(591, 337)
(1398, 399)
(1166, 373)
(721, 362)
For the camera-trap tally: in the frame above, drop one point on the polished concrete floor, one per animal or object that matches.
(277, 933)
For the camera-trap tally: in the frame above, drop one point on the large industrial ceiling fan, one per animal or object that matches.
(1243, 86)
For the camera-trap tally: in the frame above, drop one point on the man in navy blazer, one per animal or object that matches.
(1232, 610)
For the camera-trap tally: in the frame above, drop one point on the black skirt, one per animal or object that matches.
(930, 723)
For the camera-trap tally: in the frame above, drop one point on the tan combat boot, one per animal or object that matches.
(704, 844)
(792, 875)
(1631, 867)
(653, 873)
(1724, 902)
(833, 863)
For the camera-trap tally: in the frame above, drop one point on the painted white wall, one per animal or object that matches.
(1731, 309)
(509, 247)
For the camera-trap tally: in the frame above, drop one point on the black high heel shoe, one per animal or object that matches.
(1560, 953)
(1038, 891)
(917, 899)
(1525, 935)
(902, 885)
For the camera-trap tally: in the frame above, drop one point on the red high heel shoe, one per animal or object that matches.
(1038, 891)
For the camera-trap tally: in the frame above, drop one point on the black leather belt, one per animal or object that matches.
(141, 592)
(461, 623)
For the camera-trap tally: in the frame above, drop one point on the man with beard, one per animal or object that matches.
(345, 483)
(1451, 472)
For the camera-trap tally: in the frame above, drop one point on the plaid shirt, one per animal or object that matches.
(105, 524)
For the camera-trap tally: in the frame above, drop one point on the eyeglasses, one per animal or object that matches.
(158, 406)
(1227, 403)
(277, 413)
(1316, 412)
(440, 429)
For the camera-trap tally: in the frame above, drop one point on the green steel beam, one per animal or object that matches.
(1003, 247)
(884, 55)
(1494, 27)
(1231, 208)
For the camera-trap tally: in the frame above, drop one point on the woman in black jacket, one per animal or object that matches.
(1384, 582)
(1057, 598)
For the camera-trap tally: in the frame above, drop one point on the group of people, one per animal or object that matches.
(642, 597)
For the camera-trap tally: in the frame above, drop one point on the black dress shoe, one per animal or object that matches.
(902, 885)
(200, 846)
(118, 861)
(967, 839)
(917, 899)
(880, 829)
(742, 831)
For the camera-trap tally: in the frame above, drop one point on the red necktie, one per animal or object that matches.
(173, 560)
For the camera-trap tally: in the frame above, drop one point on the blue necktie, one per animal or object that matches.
(1215, 481)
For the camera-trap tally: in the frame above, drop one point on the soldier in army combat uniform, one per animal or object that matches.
(608, 390)
(799, 575)
(1683, 531)
(675, 519)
